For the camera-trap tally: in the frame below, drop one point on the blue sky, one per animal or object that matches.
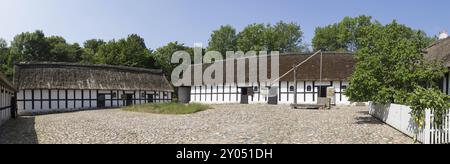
(192, 21)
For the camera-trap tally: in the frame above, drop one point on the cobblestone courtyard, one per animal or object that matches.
(226, 124)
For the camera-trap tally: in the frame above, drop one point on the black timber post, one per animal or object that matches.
(14, 106)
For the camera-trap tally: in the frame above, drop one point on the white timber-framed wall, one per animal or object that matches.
(44, 101)
(315, 78)
(6, 94)
(307, 93)
(61, 87)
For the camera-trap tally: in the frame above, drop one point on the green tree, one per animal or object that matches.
(252, 38)
(90, 49)
(4, 51)
(4, 55)
(30, 47)
(343, 36)
(284, 37)
(390, 64)
(223, 40)
(131, 52)
(94, 44)
(61, 51)
(164, 54)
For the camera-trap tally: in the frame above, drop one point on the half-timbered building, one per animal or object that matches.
(6, 99)
(59, 87)
(315, 78)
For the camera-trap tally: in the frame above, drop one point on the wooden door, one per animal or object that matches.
(244, 95)
(101, 100)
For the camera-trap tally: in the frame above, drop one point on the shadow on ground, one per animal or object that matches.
(367, 120)
(19, 131)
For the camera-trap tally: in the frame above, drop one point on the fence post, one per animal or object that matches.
(427, 127)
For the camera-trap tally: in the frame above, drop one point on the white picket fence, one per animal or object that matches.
(436, 134)
(399, 117)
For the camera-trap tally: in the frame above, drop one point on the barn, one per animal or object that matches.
(315, 78)
(6, 99)
(59, 87)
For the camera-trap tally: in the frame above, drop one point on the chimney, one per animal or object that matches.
(443, 35)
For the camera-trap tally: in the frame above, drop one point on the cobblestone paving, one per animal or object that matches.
(226, 124)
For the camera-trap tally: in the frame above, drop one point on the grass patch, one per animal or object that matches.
(168, 108)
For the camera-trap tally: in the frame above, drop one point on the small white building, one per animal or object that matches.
(59, 87)
(7, 92)
(337, 68)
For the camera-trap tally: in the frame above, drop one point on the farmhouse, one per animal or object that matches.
(313, 82)
(440, 51)
(58, 87)
(7, 92)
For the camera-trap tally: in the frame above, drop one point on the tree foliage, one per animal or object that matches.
(252, 38)
(390, 64)
(164, 54)
(223, 39)
(130, 52)
(4, 54)
(282, 37)
(343, 36)
(90, 49)
(36, 47)
(61, 51)
(30, 46)
(422, 99)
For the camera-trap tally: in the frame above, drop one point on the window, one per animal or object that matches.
(256, 89)
(344, 87)
(309, 88)
(165, 94)
(291, 88)
(114, 95)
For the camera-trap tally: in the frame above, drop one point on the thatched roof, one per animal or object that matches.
(5, 83)
(439, 51)
(336, 67)
(85, 76)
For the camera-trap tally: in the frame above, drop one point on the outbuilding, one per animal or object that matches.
(58, 87)
(319, 76)
(7, 103)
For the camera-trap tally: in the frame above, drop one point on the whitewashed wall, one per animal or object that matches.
(47, 101)
(399, 117)
(231, 93)
(5, 104)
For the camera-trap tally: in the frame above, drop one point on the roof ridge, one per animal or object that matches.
(155, 71)
(437, 42)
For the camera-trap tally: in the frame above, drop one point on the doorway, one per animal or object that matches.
(150, 98)
(273, 95)
(244, 95)
(323, 91)
(101, 100)
(128, 99)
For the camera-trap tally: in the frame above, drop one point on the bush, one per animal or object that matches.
(432, 99)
